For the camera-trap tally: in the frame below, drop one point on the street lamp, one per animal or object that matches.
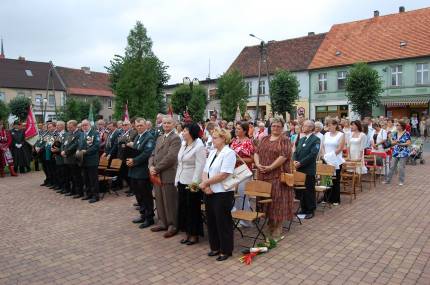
(44, 106)
(263, 47)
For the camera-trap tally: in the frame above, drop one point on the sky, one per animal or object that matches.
(187, 34)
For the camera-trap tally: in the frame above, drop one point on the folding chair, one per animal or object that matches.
(297, 181)
(323, 170)
(103, 163)
(350, 177)
(113, 171)
(261, 190)
(370, 162)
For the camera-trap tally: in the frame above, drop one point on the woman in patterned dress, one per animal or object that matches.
(273, 156)
(5, 154)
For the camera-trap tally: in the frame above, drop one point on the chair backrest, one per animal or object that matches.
(115, 163)
(287, 178)
(103, 161)
(370, 159)
(325, 170)
(258, 188)
(299, 178)
(350, 167)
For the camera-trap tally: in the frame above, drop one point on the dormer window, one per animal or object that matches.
(29, 73)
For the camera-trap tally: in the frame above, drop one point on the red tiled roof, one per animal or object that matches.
(80, 83)
(292, 54)
(376, 39)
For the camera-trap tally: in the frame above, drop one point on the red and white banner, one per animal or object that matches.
(31, 133)
(126, 117)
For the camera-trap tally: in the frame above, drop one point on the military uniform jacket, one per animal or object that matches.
(144, 144)
(70, 146)
(111, 147)
(306, 153)
(61, 136)
(123, 139)
(90, 143)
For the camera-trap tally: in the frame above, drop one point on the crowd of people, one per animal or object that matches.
(184, 165)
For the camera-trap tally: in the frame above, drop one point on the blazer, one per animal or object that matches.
(164, 158)
(91, 144)
(144, 145)
(191, 161)
(306, 153)
(70, 146)
(225, 162)
(111, 146)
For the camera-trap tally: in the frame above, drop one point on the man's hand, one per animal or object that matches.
(297, 164)
(207, 191)
(63, 153)
(104, 155)
(152, 170)
(130, 162)
(203, 185)
(130, 144)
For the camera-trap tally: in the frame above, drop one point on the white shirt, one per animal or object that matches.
(331, 143)
(191, 160)
(224, 162)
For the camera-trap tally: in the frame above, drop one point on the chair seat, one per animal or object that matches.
(247, 215)
(102, 177)
(321, 188)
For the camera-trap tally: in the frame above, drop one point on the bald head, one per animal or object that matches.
(308, 126)
(168, 124)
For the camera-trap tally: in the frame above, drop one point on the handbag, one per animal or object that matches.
(155, 179)
(240, 174)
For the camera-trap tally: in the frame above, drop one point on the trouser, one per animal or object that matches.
(242, 202)
(37, 161)
(59, 175)
(50, 171)
(75, 179)
(142, 189)
(307, 201)
(415, 132)
(44, 168)
(166, 199)
(123, 175)
(402, 163)
(91, 180)
(334, 193)
(220, 222)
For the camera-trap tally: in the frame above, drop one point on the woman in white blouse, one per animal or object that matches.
(357, 144)
(219, 201)
(332, 147)
(191, 160)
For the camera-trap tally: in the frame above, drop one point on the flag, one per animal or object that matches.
(170, 110)
(126, 117)
(91, 115)
(238, 116)
(31, 133)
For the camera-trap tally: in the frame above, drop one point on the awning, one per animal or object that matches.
(404, 101)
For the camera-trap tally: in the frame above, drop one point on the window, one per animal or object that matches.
(248, 86)
(63, 99)
(51, 100)
(212, 93)
(109, 103)
(322, 82)
(396, 75)
(2, 96)
(38, 99)
(341, 79)
(29, 73)
(422, 73)
(262, 87)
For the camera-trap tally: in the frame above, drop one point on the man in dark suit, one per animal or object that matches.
(111, 147)
(144, 144)
(305, 158)
(163, 162)
(89, 150)
(59, 160)
(73, 177)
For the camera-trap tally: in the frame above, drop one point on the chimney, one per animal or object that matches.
(21, 58)
(311, 33)
(376, 13)
(401, 9)
(2, 50)
(86, 69)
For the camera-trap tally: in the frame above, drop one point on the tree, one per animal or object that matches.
(284, 88)
(232, 93)
(181, 98)
(4, 111)
(363, 88)
(197, 104)
(138, 77)
(19, 107)
(76, 109)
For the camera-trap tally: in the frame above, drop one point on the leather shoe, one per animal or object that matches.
(77, 196)
(129, 194)
(158, 229)
(146, 224)
(86, 198)
(137, 208)
(68, 194)
(57, 188)
(43, 184)
(309, 216)
(213, 253)
(184, 241)
(138, 220)
(136, 204)
(93, 200)
(169, 234)
(222, 257)
(190, 242)
(61, 191)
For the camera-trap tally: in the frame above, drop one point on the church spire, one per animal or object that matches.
(2, 50)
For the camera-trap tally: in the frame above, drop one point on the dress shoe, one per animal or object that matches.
(93, 200)
(213, 253)
(86, 198)
(130, 194)
(309, 216)
(52, 187)
(77, 196)
(158, 229)
(184, 241)
(137, 208)
(222, 257)
(61, 191)
(57, 188)
(68, 194)
(138, 220)
(191, 242)
(43, 184)
(169, 234)
(136, 204)
(146, 224)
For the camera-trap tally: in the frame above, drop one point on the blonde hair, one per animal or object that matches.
(223, 133)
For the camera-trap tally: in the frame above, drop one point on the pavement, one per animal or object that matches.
(382, 237)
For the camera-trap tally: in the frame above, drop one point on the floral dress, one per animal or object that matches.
(401, 151)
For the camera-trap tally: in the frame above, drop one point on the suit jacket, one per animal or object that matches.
(306, 153)
(91, 144)
(70, 146)
(59, 141)
(144, 144)
(191, 160)
(123, 139)
(111, 147)
(165, 156)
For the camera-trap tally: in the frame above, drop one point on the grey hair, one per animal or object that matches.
(319, 125)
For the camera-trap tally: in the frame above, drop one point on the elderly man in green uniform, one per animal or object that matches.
(88, 150)
(305, 158)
